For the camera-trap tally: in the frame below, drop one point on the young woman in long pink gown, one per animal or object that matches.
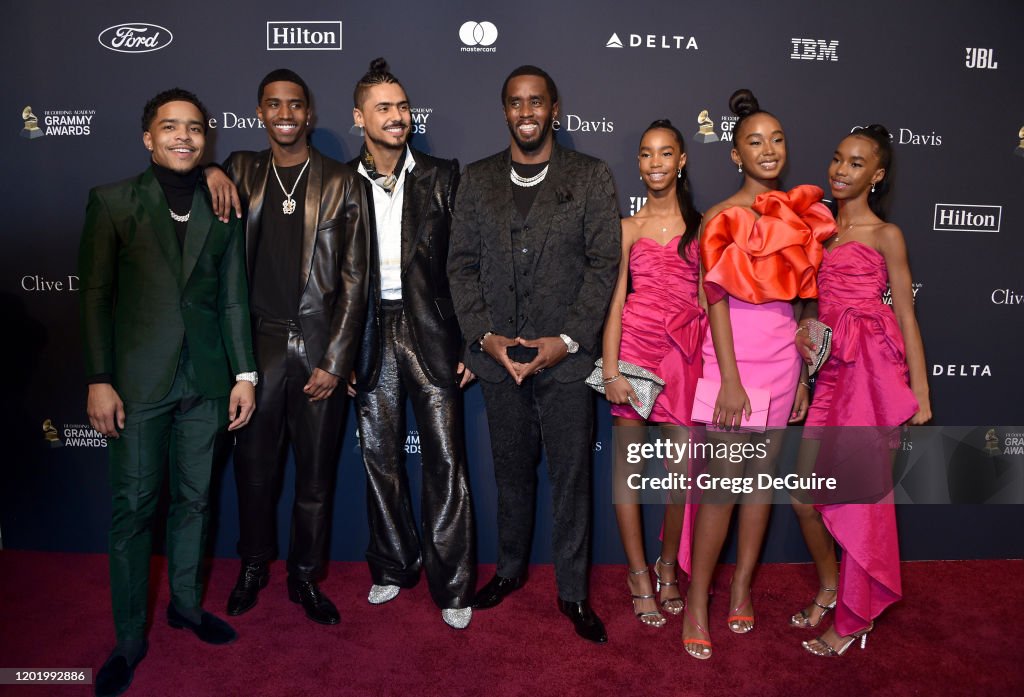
(760, 250)
(874, 381)
(658, 326)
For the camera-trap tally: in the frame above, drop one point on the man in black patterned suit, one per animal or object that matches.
(533, 259)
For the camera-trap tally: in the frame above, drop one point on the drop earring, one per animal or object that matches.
(872, 188)
(739, 168)
(679, 173)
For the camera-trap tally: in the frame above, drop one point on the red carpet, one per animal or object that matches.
(958, 632)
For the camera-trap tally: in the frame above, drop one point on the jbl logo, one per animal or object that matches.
(981, 59)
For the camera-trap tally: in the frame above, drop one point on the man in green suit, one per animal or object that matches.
(168, 353)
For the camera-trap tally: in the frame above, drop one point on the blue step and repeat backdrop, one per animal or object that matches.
(944, 78)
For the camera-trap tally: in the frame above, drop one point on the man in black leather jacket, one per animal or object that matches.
(307, 254)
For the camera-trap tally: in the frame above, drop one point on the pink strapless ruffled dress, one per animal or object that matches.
(663, 327)
(864, 383)
(761, 259)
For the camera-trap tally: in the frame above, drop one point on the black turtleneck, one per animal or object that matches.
(179, 189)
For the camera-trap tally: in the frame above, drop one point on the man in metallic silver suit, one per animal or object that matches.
(410, 350)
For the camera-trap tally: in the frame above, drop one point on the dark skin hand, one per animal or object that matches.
(550, 352)
(321, 385)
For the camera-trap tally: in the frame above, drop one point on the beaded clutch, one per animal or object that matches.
(821, 337)
(645, 384)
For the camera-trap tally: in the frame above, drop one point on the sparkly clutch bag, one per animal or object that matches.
(821, 336)
(645, 384)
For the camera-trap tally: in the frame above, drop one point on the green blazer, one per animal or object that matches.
(141, 295)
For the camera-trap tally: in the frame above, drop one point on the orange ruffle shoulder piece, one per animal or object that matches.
(771, 251)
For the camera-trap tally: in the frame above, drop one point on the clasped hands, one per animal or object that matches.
(550, 352)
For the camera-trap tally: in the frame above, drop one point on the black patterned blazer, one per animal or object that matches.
(574, 230)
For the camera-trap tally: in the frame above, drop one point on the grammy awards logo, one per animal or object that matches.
(1019, 150)
(706, 131)
(992, 443)
(51, 435)
(31, 128)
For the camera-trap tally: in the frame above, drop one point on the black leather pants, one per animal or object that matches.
(446, 546)
(285, 415)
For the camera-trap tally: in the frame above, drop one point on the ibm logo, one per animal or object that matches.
(814, 50)
(965, 217)
(304, 36)
(981, 59)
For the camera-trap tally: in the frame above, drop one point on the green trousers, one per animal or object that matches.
(182, 434)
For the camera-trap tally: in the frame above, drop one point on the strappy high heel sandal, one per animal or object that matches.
(672, 605)
(735, 618)
(698, 648)
(819, 647)
(802, 619)
(651, 618)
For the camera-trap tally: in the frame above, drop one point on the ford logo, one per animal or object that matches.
(135, 37)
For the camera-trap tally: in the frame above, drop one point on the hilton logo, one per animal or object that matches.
(981, 59)
(304, 36)
(964, 217)
(814, 50)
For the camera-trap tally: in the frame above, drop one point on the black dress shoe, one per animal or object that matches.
(209, 628)
(116, 674)
(253, 577)
(496, 590)
(587, 624)
(318, 606)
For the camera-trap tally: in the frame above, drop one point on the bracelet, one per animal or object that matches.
(481, 339)
(805, 384)
(613, 378)
(801, 328)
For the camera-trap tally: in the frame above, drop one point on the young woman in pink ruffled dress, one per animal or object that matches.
(760, 250)
(874, 380)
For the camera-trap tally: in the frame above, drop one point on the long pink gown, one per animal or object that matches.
(864, 383)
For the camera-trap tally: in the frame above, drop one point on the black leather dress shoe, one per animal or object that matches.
(318, 606)
(587, 624)
(253, 577)
(209, 628)
(496, 590)
(116, 674)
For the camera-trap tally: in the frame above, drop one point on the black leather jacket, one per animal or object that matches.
(335, 253)
(426, 222)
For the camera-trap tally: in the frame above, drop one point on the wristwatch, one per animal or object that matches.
(248, 377)
(570, 345)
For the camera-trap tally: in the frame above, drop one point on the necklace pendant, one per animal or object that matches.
(288, 207)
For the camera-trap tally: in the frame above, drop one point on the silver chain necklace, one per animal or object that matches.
(179, 218)
(528, 181)
(288, 205)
